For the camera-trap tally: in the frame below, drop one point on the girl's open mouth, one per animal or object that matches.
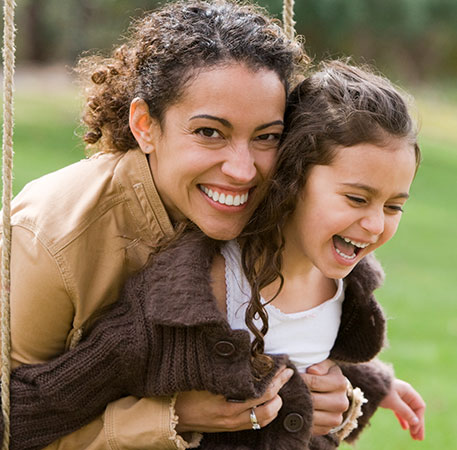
(347, 248)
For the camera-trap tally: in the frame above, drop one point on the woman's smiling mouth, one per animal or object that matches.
(224, 197)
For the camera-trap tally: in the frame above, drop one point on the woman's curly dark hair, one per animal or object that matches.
(165, 49)
(339, 105)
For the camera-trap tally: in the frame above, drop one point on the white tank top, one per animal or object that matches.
(306, 336)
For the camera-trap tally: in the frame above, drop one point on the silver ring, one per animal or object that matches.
(253, 417)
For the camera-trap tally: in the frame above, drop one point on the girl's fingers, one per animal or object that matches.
(403, 423)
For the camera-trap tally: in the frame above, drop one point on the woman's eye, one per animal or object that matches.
(269, 137)
(354, 199)
(207, 132)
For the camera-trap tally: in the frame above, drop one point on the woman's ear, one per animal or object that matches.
(144, 128)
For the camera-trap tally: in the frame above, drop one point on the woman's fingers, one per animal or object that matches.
(279, 380)
(328, 388)
(332, 402)
(332, 381)
(324, 421)
(205, 412)
(265, 413)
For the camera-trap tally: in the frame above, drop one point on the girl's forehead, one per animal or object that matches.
(389, 167)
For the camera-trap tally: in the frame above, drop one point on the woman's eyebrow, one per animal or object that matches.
(270, 124)
(224, 122)
(373, 191)
(227, 124)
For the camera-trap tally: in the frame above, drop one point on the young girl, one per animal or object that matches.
(348, 159)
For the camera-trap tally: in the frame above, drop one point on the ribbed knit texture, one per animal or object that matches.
(161, 337)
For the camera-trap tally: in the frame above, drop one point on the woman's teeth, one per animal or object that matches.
(225, 199)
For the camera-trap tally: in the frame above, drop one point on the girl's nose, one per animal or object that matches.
(374, 221)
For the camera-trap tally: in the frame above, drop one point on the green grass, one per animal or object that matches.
(44, 134)
(419, 294)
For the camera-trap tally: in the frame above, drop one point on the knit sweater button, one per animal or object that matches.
(224, 348)
(293, 422)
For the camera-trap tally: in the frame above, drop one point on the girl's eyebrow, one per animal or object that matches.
(227, 124)
(371, 190)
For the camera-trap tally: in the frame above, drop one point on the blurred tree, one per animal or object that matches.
(413, 38)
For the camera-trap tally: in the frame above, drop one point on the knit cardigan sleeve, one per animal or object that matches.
(56, 398)
(374, 379)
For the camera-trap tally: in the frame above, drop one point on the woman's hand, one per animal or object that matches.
(209, 413)
(328, 388)
(408, 406)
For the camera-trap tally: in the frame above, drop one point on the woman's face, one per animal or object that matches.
(216, 147)
(352, 206)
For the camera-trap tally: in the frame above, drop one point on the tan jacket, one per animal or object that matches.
(78, 233)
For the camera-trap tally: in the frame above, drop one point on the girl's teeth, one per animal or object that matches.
(357, 244)
(344, 254)
(224, 199)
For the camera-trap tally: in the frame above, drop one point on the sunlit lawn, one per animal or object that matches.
(419, 294)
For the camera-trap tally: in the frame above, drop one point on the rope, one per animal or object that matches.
(7, 177)
(288, 18)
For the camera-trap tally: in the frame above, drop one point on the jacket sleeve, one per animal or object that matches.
(374, 379)
(41, 317)
(55, 398)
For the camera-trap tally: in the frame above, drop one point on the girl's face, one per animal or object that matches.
(352, 206)
(217, 145)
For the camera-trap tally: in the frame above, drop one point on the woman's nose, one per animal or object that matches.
(240, 165)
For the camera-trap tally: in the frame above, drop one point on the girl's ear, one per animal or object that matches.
(144, 128)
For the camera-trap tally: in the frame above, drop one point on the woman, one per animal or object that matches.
(80, 232)
(348, 159)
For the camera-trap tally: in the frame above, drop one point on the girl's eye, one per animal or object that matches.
(354, 199)
(269, 137)
(207, 132)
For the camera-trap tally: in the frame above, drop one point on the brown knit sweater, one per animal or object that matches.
(166, 335)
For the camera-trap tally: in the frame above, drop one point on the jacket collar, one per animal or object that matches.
(178, 284)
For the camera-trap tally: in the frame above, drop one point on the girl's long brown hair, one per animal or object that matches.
(340, 105)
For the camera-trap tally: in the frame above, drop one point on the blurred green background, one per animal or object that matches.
(414, 42)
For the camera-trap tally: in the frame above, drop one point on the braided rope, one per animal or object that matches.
(7, 177)
(288, 18)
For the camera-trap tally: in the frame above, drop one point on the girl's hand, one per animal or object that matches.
(408, 406)
(328, 388)
(205, 412)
